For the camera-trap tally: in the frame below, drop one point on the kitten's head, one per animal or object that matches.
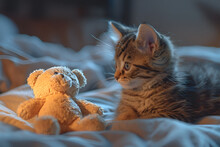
(141, 54)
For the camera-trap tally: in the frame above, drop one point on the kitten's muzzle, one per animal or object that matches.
(117, 75)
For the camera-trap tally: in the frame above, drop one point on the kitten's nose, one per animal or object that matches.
(117, 75)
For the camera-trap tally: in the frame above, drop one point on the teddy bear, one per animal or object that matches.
(55, 104)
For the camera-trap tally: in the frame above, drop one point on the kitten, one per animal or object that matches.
(153, 82)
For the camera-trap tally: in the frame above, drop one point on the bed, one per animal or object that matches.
(21, 54)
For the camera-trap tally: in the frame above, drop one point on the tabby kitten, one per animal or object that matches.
(153, 82)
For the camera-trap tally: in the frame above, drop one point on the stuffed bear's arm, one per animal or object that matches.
(30, 108)
(89, 108)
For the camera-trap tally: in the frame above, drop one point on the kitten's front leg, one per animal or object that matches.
(125, 113)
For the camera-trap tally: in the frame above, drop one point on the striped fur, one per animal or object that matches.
(155, 85)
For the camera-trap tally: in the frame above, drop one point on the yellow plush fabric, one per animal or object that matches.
(56, 105)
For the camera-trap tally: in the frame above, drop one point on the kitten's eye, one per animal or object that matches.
(55, 72)
(127, 66)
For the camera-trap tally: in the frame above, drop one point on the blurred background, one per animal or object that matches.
(73, 22)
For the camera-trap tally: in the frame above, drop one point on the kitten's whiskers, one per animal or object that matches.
(101, 41)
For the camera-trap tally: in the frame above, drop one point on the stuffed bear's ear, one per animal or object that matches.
(81, 77)
(33, 77)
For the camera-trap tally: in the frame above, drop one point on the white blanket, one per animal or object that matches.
(21, 54)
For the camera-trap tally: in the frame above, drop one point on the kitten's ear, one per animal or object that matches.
(117, 30)
(147, 39)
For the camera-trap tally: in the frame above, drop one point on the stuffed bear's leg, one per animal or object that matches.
(92, 122)
(47, 125)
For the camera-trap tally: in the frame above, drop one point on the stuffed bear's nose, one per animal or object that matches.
(62, 75)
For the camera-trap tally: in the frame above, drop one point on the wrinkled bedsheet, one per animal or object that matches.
(21, 54)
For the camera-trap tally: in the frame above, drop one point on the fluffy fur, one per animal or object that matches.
(154, 82)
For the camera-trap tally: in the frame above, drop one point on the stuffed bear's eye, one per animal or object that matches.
(55, 73)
